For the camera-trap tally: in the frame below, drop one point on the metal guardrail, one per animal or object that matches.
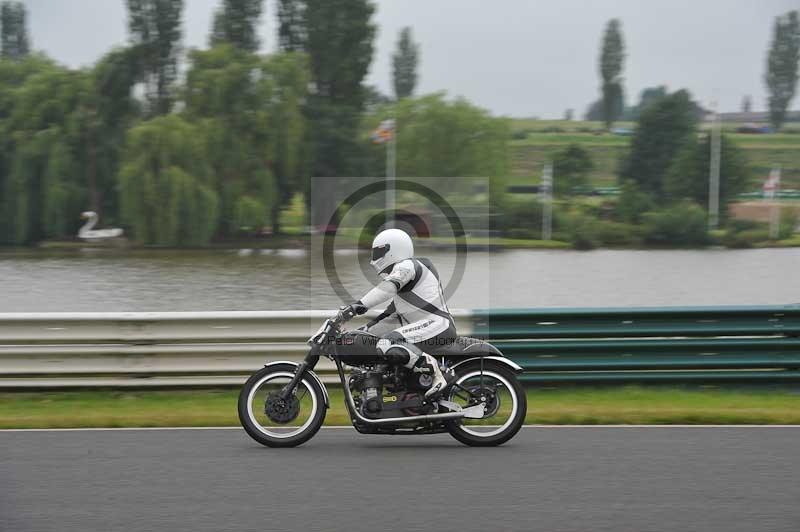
(553, 345)
(153, 348)
(648, 344)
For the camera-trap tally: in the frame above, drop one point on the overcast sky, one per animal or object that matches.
(515, 57)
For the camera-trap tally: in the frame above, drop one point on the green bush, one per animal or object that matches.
(682, 224)
(745, 239)
(522, 219)
(633, 203)
(524, 234)
(294, 215)
(788, 223)
(249, 214)
(524, 214)
(616, 234)
(736, 225)
(588, 232)
(582, 232)
(747, 233)
(571, 167)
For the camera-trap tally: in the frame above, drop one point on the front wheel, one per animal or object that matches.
(273, 421)
(506, 405)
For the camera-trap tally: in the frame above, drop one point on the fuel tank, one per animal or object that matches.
(357, 347)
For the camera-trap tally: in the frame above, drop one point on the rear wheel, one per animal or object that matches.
(277, 422)
(497, 387)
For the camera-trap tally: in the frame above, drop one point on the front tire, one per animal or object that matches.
(285, 430)
(478, 434)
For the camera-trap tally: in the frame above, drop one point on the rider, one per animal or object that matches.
(417, 318)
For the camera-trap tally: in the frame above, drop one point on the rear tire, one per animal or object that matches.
(259, 433)
(501, 372)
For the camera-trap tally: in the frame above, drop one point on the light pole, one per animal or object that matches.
(713, 174)
(391, 172)
(547, 204)
(771, 194)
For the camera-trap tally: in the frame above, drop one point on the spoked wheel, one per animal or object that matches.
(504, 397)
(277, 422)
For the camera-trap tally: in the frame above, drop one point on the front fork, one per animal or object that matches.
(308, 364)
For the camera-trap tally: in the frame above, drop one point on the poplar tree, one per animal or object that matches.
(291, 25)
(236, 22)
(782, 63)
(155, 31)
(612, 56)
(404, 62)
(14, 40)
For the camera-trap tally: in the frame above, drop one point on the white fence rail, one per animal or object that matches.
(152, 348)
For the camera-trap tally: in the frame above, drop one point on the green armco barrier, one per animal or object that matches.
(612, 377)
(781, 194)
(648, 344)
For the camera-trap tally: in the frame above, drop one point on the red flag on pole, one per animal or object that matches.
(383, 133)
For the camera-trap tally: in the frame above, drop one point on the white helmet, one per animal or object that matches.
(390, 247)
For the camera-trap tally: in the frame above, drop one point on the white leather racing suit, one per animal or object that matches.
(418, 311)
(418, 307)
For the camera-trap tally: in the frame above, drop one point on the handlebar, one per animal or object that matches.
(327, 331)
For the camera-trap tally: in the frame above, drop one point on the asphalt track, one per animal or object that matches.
(553, 479)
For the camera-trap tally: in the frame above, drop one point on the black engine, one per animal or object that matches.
(384, 391)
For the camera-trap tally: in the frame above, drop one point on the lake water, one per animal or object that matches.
(143, 280)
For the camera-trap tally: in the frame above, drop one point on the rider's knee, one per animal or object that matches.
(394, 348)
(398, 355)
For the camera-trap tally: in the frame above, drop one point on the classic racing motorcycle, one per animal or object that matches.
(284, 404)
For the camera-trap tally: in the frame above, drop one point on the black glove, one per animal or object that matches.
(348, 312)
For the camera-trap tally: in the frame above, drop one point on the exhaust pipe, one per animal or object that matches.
(475, 412)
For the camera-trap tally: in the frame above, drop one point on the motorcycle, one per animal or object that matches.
(284, 404)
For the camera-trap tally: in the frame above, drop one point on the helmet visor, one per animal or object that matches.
(379, 252)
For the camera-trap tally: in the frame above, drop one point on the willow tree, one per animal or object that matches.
(12, 76)
(43, 186)
(61, 133)
(285, 78)
(250, 110)
(110, 110)
(166, 192)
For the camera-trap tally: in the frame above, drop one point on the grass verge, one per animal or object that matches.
(624, 405)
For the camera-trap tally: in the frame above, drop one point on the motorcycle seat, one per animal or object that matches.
(465, 347)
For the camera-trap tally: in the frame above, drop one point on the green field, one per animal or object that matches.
(623, 405)
(545, 137)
